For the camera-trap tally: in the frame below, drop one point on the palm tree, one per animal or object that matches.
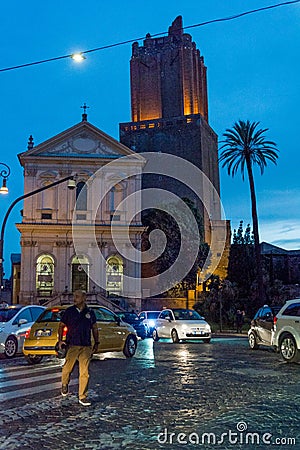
(245, 146)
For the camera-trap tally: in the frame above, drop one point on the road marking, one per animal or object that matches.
(34, 383)
(27, 367)
(22, 381)
(32, 390)
(28, 372)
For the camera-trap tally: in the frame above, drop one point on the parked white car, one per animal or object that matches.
(181, 324)
(15, 320)
(287, 331)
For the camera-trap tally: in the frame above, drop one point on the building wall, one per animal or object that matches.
(188, 137)
(168, 77)
(73, 237)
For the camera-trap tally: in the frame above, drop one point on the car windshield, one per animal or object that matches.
(186, 314)
(153, 314)
(128, 317)
(7, 313)
(51, 315)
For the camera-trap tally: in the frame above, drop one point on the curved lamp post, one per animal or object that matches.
(71, 185)
(4, 173)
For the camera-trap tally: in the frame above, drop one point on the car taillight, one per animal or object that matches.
(274, 320)
(64, 333)
(27, 333)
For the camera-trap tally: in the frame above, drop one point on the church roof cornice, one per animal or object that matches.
(98, 145)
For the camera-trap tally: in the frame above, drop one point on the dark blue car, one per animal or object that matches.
(134, 320)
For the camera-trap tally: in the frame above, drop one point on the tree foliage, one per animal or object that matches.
(242, 266)
(159, 219)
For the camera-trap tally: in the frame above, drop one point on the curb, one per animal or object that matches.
(228, 334)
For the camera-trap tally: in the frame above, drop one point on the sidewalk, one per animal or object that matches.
(229, 334)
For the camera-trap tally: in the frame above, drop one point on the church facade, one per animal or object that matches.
(66, 234)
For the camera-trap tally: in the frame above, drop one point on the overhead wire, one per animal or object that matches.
(129, 41)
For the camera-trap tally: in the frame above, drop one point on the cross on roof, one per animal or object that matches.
(84, 115)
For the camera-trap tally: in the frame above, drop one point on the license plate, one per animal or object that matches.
(198, 333)
(43, 333)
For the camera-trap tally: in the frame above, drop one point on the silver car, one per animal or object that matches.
(262, 327)
(14, 322)
(181, 324)
(287, 331)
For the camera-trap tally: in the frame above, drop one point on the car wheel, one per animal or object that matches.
(33, 359)
(252, 341)
(288, 349)
(155, 335)
(174, 336)
(11, 347)
(130, 346)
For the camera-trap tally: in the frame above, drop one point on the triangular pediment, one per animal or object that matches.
(82, 140)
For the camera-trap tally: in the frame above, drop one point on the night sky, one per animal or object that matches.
(253, 73)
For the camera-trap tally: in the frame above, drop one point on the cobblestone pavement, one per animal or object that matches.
(222, 389)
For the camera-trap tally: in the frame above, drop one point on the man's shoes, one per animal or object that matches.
(64, 390)
(84, 402)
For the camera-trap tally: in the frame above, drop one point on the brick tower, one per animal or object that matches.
(169, 108)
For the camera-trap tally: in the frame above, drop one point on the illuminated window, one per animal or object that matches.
(114, 275)
(45, 275)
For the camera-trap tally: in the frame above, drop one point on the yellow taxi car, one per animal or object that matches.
(114, 334)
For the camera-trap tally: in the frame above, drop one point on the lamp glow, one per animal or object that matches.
(4, 188)
(78, 57)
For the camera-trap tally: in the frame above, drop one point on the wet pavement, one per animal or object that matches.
(169, 396)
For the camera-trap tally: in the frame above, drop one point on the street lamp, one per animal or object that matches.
(71, 185)
(4, 173)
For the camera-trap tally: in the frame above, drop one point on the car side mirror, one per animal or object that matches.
(169, 319)
(22, 322)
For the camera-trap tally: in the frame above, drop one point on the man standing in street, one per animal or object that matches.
(80, 321)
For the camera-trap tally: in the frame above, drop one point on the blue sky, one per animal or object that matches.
(253, 73)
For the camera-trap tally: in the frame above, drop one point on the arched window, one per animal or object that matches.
(114, 275)
(80, 273)
(81, 196)
(45, 275)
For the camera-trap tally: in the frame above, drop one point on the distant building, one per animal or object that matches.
(51, 266)
(281, 264)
